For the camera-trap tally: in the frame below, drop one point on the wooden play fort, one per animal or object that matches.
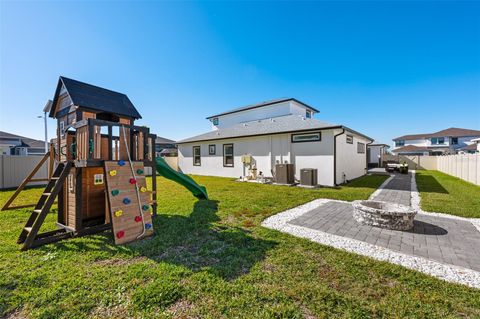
(99, 178)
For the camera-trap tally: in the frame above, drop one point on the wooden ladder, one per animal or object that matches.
(29, 236)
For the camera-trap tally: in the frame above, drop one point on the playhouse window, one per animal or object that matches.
(98, 179)
(62, 128)
(228, 155)
(196, 156)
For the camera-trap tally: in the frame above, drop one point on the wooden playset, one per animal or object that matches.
(99, 180)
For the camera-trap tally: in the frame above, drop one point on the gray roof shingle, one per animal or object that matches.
(96, 98)
(281, 124)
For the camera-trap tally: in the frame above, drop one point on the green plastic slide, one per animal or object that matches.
(166, 171)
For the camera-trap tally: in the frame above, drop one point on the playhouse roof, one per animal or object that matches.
(95, 98)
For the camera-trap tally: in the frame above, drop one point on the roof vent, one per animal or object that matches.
(244, 124)
(272, 120)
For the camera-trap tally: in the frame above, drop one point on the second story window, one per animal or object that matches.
(215, 121)
(454, 140)
(437, 140)
(399, 142)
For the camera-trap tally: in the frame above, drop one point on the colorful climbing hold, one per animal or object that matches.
(138, 218)
(146, 207)
(139, 171)
(118, 213)
(148, 225)
(132, 181)
(113, 172)
(115, 192)
(126, 201)
(143, 189)
(121, 162)
(120, 234)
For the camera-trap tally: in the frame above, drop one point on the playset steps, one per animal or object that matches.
(128, 216)
(29, 234)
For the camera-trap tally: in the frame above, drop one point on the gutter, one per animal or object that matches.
(335, 156)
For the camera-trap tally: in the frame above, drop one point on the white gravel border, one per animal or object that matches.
(449, 273)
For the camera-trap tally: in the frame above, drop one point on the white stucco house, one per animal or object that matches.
(275, 132)
(375, 151)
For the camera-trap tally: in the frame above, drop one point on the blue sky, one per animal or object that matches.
(382, 68)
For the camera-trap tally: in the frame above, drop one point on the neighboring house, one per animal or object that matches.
(448, 141)
(11, 144)
(165, 147)
(375, 152)
(472, 148)
(275, 132)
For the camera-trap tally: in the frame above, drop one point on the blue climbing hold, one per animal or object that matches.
(148, 226)
(121, 162)
(126, 201)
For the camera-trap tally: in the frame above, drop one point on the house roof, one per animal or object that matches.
(471, 147)
(163, 140)
(276, 125)
(377, 143)
(95, 98)
(449, 132)
(262, 104)
(26, 141)
(410, 148)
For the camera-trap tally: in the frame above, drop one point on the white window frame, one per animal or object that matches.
(362, 149)
(304, 137)
(349, 139)
(199, 155)
(225, 155)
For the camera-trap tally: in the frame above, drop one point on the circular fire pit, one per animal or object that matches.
(383, 214)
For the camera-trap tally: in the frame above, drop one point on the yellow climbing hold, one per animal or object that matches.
(118, 213)
(113, 172)
(143, 189)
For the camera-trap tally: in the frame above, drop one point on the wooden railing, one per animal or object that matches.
(89, 144)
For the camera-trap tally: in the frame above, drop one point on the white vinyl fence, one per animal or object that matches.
(14, 169)
(464, 166)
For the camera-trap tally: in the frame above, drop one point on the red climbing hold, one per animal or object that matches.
(120, 234)
(138, 219)
(132, 181)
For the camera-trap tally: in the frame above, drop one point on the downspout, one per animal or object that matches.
(335, 156)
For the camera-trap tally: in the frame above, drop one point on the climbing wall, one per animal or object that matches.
(127, 215)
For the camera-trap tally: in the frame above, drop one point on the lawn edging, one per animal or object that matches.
(450, 273)
(416, 199)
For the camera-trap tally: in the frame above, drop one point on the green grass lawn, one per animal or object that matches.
(444, 193)
(211, 259)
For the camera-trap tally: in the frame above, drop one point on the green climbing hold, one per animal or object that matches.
(115, 192)
(146, 207)
(139, 171)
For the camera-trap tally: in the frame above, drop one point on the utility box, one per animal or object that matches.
(309, 176)
(285, 173)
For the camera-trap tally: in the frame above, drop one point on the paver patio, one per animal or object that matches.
(446, 240)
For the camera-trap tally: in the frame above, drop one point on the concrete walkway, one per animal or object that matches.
(444, 246)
